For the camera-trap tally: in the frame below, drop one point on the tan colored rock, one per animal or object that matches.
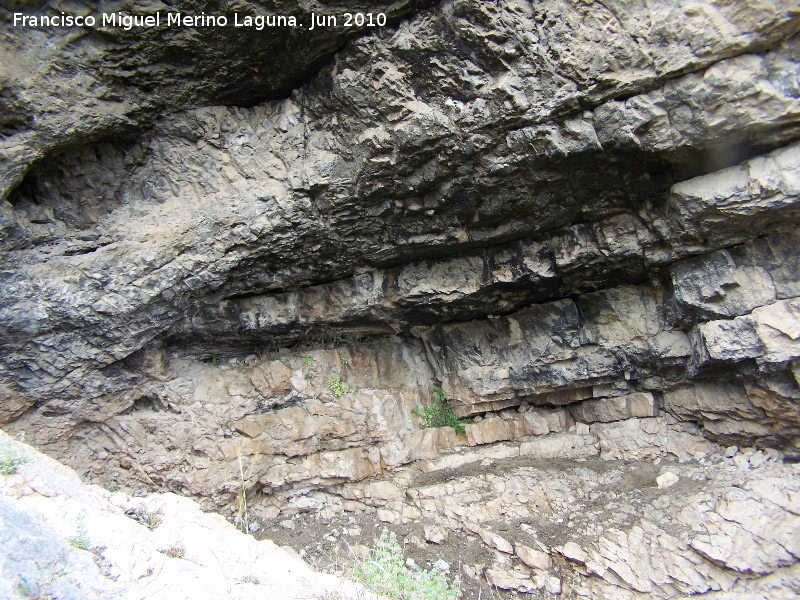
(510, 579)
(632, 438)
(496, 541)
(382, 490)
(248, 427)
(435, 534)
(538, 421)
(489, 431)
(535, 559)
(567, 445)
(388, 516)
(550, 583)
(603, 411)
(573, 551)
(666, 480)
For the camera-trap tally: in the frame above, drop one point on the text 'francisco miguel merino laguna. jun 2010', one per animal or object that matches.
(128, 22)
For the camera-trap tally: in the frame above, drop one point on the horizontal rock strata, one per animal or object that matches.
(576, 222)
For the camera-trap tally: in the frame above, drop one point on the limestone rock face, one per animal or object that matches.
(65, 539)
(227, 262)
(64, 86)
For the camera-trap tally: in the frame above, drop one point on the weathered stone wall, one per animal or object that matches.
(230, 266)
(584, 208)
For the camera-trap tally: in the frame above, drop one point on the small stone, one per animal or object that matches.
(533, 558)
(758, 459)
(666, 480)
(411, 564)
(772, 454)
(388, 516)
(287, 524)
(253, 527)
(435, 534)
(572, 551)
(442, 566)
(495, 541)
(510, 580)
(42, 488)
(552, 584)
(474, 571)
(731, 451)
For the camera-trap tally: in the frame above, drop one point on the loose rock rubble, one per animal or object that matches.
(588, 526)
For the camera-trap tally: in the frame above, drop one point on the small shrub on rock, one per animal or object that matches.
(11, 457)
(383, 571)
(81, 539)
(149, 517)
(336, 386)
(439, 413)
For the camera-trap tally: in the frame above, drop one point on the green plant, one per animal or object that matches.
(11, 457)
(439, 413)
(80, 540)
(213, 358)
(383, 572)
(308, 361)
(31, 589)
(337, 386)
(38, 585)
(344, 360)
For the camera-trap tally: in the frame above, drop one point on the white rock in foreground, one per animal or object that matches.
(666, 480)
(45, 504)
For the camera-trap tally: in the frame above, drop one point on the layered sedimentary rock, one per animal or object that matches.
(579, 220)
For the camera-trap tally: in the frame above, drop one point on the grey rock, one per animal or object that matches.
(38, 561)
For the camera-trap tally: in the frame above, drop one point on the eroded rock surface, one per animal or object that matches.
(578, 220)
